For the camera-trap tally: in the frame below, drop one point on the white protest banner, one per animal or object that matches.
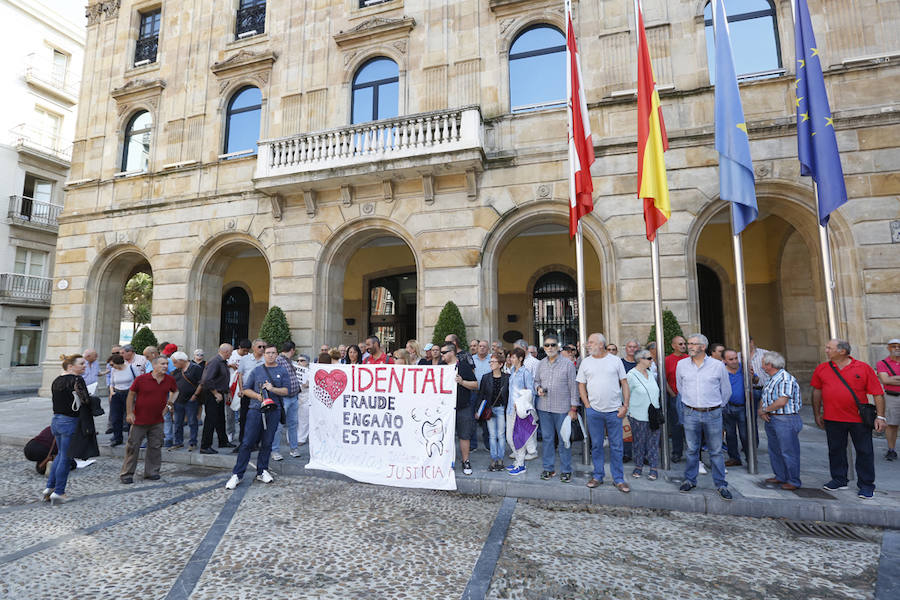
(384, 424)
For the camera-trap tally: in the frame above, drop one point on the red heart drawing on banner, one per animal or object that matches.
(332, 383)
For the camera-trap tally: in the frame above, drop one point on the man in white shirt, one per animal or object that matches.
(704, 388)
(605, 395)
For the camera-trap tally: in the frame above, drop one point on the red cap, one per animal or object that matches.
(170, 349)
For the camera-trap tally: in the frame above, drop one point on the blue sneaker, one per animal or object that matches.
(833, 485)
(866, 494)
(517, 470)
(510, 467)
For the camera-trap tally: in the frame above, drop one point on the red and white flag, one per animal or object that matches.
(581, 148)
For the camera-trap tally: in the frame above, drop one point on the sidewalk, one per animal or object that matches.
(22, 419)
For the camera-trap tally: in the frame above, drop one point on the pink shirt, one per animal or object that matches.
(882, 367)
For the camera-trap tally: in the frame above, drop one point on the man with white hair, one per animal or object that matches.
(780, 409)
(703, 385)
(187, 376)
(216, 377)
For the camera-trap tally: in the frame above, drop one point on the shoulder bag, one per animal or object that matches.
(655, 416)
(866, 411)
(888, 367)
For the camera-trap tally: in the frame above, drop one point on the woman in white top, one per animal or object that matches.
(644, 392)
(121, 376)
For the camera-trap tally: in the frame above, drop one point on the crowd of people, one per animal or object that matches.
(246, 396)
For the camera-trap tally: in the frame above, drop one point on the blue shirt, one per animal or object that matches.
(706, 386)
(276, 375)
(91, 372)
(737, 387)
(520, 379)
(781, 384)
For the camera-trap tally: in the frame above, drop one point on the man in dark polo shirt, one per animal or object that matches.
(150, 395)
(832, 383)
(217, 391)
(465, 418)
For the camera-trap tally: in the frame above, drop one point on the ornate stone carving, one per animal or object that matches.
(368, 208)
(400, 45)
(138, 88)
(428, 188)
(109, 8)
(375, 28)
(277, 206)
(387, 188)
(346, 195)
(544, 190)
(245, 59)
(309, 198)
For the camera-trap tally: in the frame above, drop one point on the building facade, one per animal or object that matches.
(43, 53)
(411, 153)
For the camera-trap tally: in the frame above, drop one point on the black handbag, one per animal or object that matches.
(866, 411)
(655, 416)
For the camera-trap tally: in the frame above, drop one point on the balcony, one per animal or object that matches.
(250, 20)
(49, 80)
(41, 144)
(410, 145)
(16, 288)
(37, 214)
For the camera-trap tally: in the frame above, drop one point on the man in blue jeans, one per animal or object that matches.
(704, 388)
(291, 404)
(605, 395)
(554, 378)
(735, 412)
(265, 388)
(781, 411)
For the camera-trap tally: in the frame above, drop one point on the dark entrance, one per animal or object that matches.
(392, 309)
(555, 305)
(712, 317)
(235, 323)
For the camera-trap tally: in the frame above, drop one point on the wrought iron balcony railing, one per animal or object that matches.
(29, 288)
(28, 211)
(250, 20)
(32, 138)
(145, 50)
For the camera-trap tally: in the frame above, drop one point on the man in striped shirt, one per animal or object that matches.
(780, 409)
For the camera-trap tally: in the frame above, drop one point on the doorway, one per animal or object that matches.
(392, 309)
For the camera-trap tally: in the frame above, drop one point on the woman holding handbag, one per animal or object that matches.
(493, 397)
(644, 395)
(69, 394)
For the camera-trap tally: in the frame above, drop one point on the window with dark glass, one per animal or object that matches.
(754, 38)
(537, 69)
(242, 120)
(376, 91)
(251, 18)
(148, 38)
(136, 153)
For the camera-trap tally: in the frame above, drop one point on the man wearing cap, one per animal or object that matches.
(889, 373)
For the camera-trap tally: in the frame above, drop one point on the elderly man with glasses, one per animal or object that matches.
(249, 362)
(557, 391)
(780, 409)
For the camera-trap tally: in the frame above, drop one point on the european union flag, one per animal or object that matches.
(816, 141)
(736, 183)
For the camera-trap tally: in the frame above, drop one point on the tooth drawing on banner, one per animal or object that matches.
(433, 433)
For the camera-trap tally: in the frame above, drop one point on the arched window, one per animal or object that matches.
(754, 38)
(376, 91)
(555, 304)
(136, 153)
(242, 120)
(537, 69)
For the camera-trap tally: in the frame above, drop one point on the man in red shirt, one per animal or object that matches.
(889, 374)
(150, 396)
(832, 383)
(377, 356)
(673, 400)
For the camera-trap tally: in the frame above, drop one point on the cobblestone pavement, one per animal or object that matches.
(185, 536)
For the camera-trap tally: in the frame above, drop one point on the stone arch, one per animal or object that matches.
(102, 313)
(520, 220)
(331, 265)
(206, 284)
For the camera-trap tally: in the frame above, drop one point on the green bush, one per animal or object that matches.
(275, 328)
(671, 328)
(143, 338)
(450, 321)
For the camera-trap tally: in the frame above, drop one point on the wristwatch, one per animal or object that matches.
(880, 417)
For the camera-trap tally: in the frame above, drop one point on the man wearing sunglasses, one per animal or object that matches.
(245, 367)
(465, 418)
(557, 391)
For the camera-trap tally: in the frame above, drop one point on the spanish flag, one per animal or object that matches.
(652, 142)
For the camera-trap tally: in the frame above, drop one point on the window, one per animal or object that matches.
(376, 91)
(242, 120)
(251, 18)
(47, 128)
(754, 38)
(555, 304)
(60, 68)
(30, 262)
(136, 154)
(36, 196)
(537, 69)
(148, 38)
(26, 346)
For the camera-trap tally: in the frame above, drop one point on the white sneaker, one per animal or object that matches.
(276, 456)
(512, 454)
(531, 456)
(45, 495)
(233, 482)
(265, 477)
(703, 470)
(295, 453)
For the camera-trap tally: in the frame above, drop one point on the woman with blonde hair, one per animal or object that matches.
(415, 353)
(401, 357)
(69, 394)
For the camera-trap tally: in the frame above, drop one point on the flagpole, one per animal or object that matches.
(579, 248)
(740, 284)
(665, 457)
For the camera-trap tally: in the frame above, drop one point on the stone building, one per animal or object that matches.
(411, 153)
(42, 52)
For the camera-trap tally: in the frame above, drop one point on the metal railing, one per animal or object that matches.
(17, 286)
(28, 136)
(250, 20)
(37, 212)
(401, 137)
(145, 50)
(45, 73)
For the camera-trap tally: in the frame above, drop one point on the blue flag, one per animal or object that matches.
(736, 183)
(816, 141)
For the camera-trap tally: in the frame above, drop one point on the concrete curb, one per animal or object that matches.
(704, 501)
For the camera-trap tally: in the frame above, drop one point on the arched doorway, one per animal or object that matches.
(108, 320)
(555, 304)
(712, 311)
(235, 325)
(230, 283)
